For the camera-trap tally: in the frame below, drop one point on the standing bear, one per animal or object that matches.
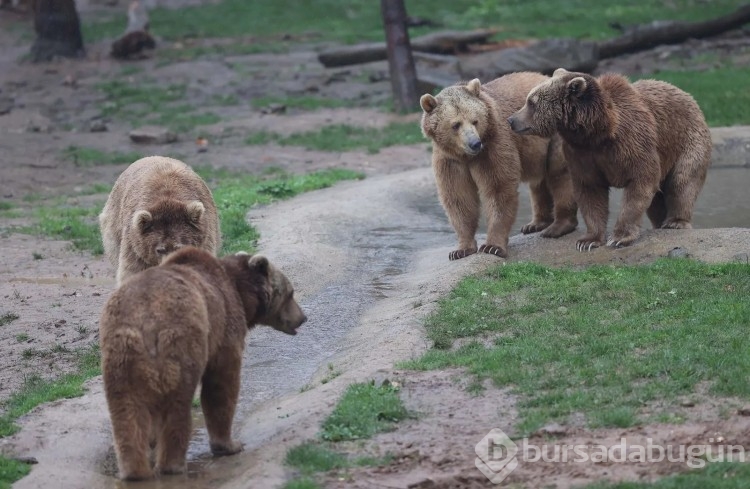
(648, 137)
(474, 154)
(172, 326)
(156, 206)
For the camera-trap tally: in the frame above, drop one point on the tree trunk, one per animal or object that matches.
(58, 30)
(400, 60)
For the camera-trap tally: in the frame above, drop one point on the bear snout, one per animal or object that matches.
(475, 146)
(516, 125)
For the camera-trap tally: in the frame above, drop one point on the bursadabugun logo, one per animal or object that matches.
(496, 456)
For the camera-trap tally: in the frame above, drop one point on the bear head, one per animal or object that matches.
(567, 102)
(165, 227)
(267, 294)
(458, 119)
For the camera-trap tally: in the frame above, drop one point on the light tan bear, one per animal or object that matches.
(172, 326)
(474, 154)
(157, 206)
(648, 137)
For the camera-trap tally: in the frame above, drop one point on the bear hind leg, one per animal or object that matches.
(681, 189)
(541, 207)
(131, 427)
(657, 211)
(219, 394)
(565, 209)
(174, 437)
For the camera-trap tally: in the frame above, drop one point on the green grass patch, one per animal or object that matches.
(11, 471)
(235, 193)
(714, 476)
(313, 457)
(8, 318)
(343, 137)
(603, 341)
(363, 410)
(86, 157)
(719, 92)
(302, 483)
(6, 206)
(36, 390)
(303, 102)
(360, 20)
(79, 225)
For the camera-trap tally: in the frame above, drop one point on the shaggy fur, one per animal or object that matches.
(474, 154)
(649, 138)
(157, 206)
(169, 328)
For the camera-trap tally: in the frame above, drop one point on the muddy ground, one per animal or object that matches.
(367, 271)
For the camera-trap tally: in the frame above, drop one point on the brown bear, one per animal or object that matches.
(648, 137)
(474, 154)
(157, 206)
(172, 326)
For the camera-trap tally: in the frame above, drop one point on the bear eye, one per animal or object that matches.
(456, 126)
(475, 122)
(530, 103)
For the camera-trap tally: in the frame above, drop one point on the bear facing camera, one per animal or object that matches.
(172, 326)
(478, 160)
(648, 137)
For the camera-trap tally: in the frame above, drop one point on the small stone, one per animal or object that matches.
(678, 252)
(744, 411)
(687, 404)
(152, 135)
(552, 429)
(273, 109)
(6, 105)
(98, 126)
(562, 310)
(741, 258)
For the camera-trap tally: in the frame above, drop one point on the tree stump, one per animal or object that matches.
(58, 30)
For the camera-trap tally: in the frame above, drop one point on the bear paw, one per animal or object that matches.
(493, 250)
(587, 244)
(458, 254)
(559, 228)
(621, 240)
(673, 223)
(224, 449)
(535, 227)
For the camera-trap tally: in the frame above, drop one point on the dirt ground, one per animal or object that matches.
(58, 298)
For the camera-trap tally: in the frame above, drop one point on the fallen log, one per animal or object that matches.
(443, 42)
(659, 32)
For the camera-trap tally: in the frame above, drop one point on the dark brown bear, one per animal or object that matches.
(172, 326)
(648, 137)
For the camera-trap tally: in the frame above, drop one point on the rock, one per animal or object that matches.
(687, 404)
(6, 105)
(552, 429)
(152, 135)
(744, 411)
(678, 252)
(273, 109)
(98, 126)
(741, 258)
(562, 310)
(731, 146)
(544, 56)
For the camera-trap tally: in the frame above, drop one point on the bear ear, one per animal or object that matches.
(259, 263)
(474, 87)
(195, 210)
(428, 102)
(560, 72)
(577, 86)
(141, 220)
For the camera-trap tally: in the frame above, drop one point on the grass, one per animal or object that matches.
(719, 92)
(235, 193)
(360, 20)
(343, 137)
(6, 206)
(76, 224)
(148, 103)
(36, 390)
(87, 157)
(714, 476)
(11, 471)
(301, 483)
(22, 337)
(303, 102)
(604, 341)
(364, 410)
(8, 318)
(313, 456)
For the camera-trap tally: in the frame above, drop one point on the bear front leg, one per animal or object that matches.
(460, 199)
(219, 394)
(636, 199)
(502, 208)
(593, 201)
(541, 207)
(565, 207)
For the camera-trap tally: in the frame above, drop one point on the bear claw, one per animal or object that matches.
(458, 254)
(585, 245)
(493, 250)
